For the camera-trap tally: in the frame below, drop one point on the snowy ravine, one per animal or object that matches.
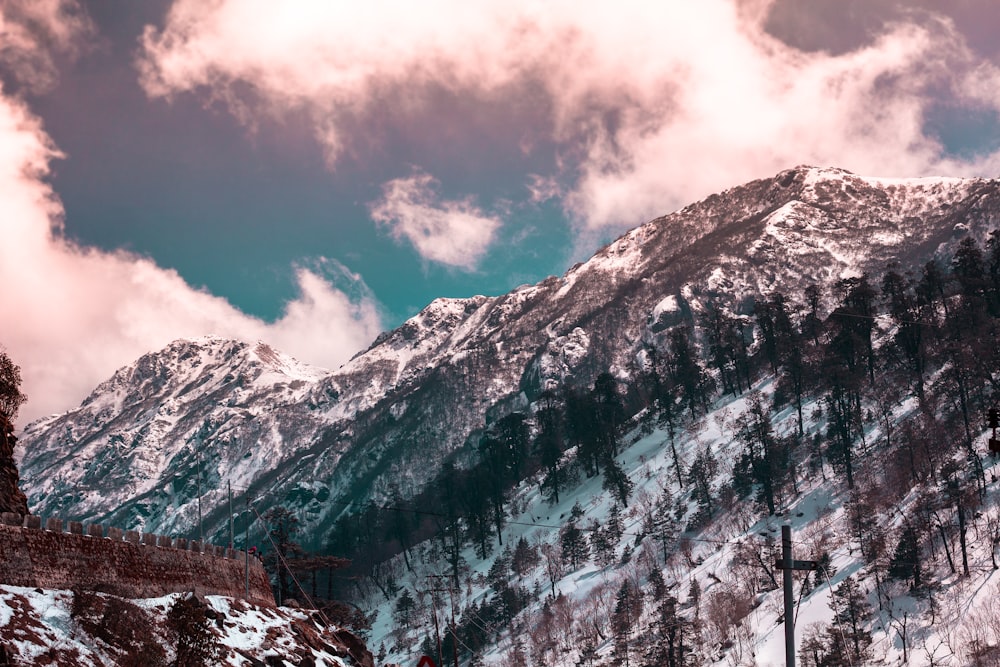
(209, 413)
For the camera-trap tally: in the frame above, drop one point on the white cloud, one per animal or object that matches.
(33, 32)
(652, 104)
(456, 233)
(72, 315)
(543, 188)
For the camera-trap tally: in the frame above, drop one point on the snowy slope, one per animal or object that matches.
(942, 625)
(49, 627)
(204, 413)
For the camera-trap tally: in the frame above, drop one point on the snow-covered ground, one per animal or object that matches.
(39, 627)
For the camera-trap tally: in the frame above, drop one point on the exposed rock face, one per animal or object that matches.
(12, 499)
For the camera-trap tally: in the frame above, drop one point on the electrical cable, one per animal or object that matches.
(298, 585)
(840, 627)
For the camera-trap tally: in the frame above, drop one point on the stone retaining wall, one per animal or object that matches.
(123, 563)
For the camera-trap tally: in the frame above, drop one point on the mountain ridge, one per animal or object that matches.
(317, 442)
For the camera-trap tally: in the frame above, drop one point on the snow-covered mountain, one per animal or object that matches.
(203, 413)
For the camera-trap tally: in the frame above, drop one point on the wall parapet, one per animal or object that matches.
(66, 554)
(54, 525)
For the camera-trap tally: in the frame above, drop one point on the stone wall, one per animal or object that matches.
(39, 554)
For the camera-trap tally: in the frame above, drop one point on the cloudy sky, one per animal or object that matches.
(310, 173)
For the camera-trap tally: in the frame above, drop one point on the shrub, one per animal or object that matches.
(120, 624)
(189, 622)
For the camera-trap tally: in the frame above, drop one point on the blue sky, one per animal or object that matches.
(311, 173)
(233, 210)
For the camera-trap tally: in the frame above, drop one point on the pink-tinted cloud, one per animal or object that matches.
(456, 233)
(71, 314)
(33, 32)
(653, 104)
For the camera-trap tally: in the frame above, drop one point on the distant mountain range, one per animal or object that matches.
(202, 414)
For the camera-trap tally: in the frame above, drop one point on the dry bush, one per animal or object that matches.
(979, 634)
(121, 625)
(191, 626)
(725, 608)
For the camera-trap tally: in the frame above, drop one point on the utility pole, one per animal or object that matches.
(454, 629)
(246, 547)
(229, 489)
(454, 635)
(437, 631)
(201, 526)
(994, 423)
(786, 565)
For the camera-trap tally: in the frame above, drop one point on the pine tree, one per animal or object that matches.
(11, 397)
(670, 646)
(504, 452)
(448, 494)
(628, 608)
(969, 269)
(701, 474)
(843, 401)
(478, 509)
(609, 413)
(615, 524)
(687, 372)
(601, 545)
(524, 557)
(404, 608)
(400, 525)
(910, 315)
(851, 611)
(495, 460)
(812, 324)
(993, 272)
(549, 443)
(582, 429)
(574, 545)
(905, 562)
(12, 499)
(766, 466)
(662, 525)
(616, 481)
(658, 584)
(718, 336)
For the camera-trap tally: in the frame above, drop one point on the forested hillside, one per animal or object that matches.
(858, 413)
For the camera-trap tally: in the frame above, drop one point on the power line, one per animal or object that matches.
(836, 618)
(281, 558)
